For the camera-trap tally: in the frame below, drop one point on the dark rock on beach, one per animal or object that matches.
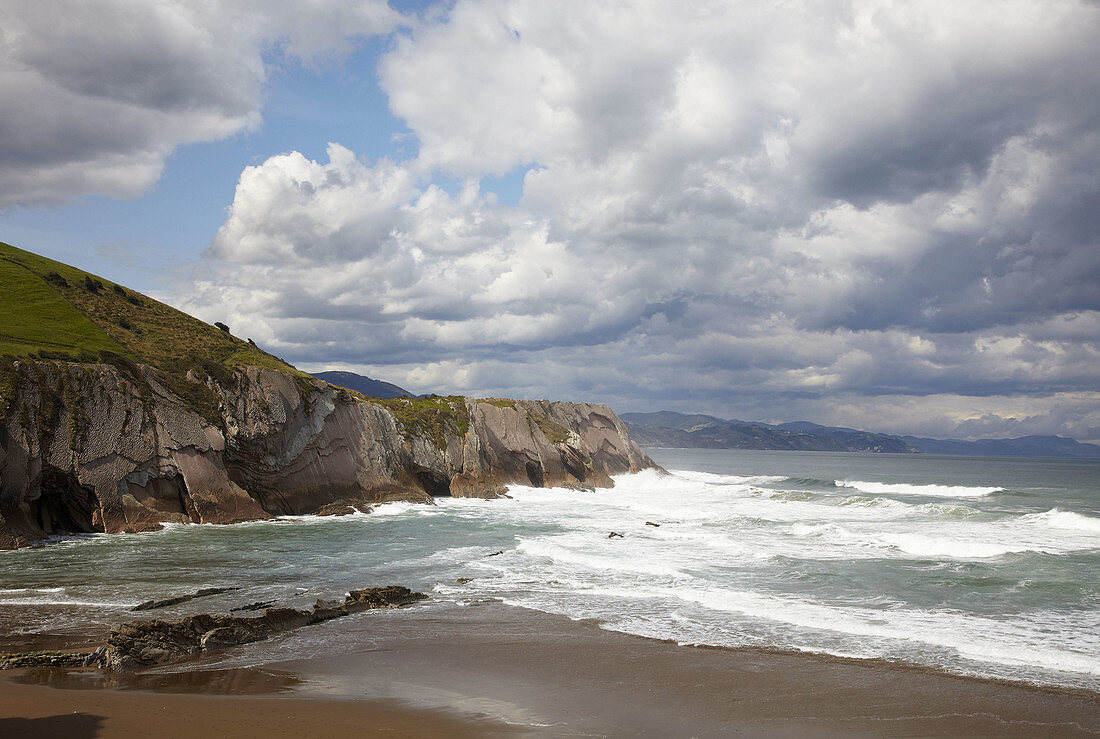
(152, 604)
(142, 643)
(43, 659)
(257, 606)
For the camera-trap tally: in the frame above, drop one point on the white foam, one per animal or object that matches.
(399, 508)
(603, 562)
(1057, 519)
(937, 491)
(718, 479)
(971, 636)
(53, 600)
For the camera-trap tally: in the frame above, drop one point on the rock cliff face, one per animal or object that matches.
(97, 447)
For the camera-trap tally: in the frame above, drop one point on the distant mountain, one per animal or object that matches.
(696, 431)
(1024, 446)
(666, 428)
(369, 387)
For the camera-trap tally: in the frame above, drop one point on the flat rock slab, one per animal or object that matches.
(142, 643)
(152, 604)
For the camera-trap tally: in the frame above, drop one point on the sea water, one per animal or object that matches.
(978, 566)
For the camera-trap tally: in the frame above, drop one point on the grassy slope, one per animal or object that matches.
(73, 318)
(34, 317)
(51, 311)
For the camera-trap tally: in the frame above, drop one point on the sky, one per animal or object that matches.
(883, 215)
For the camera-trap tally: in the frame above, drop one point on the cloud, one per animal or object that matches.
(107, 90)
(770, 211)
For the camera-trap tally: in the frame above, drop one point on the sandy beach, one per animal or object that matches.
(489, 669)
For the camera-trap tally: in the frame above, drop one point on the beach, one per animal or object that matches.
(747, 594)
(489, 669)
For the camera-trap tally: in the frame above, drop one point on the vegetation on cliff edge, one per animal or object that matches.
(54, 312)
(429, 417)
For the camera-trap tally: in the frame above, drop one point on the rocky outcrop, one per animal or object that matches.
(144, 643)
(124, 448)
(44, 659)
(150, 605)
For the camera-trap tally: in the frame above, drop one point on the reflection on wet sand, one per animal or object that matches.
(250, 681)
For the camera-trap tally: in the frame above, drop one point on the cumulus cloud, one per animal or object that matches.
(763, 210)
(109, 89)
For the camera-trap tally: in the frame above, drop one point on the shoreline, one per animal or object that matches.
(488, 668)
(78, 639)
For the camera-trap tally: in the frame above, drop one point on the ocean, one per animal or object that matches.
(978, 566)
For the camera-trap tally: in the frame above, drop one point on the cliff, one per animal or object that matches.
(119, 413)
(97, 447)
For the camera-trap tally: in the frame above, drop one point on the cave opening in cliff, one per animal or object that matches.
(64, 505)
(434, 483)
(535, 474)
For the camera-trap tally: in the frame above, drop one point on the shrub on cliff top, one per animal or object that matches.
(429, 417)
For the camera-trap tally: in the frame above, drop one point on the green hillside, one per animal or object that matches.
(34, 318)
(51, 311)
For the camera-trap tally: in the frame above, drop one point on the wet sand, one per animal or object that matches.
(489, 669)
(37, 711)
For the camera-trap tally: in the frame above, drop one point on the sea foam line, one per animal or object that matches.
(937, 491)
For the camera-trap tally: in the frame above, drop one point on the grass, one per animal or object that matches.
(51, 311)
(555, 432)
(61, 312)
(429, 417)
(36, 318)
(499, 402)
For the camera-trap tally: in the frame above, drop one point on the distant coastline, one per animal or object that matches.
(673, 430)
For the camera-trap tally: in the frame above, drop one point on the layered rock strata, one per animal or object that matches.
(143, 643)
(138, 644)
(97, 447)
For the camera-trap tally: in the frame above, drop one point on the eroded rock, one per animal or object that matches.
(142, 643)
(43, 659)
(202, 593)
(342, 509)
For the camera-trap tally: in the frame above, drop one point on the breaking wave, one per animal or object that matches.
(937, 491)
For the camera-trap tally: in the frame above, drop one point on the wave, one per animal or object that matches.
(809, 482)
(62, 600)
(937, 491)
(712, 478)
(968, 543)
(971, 636)
(1059, 519)
(594, 562)
(731, 617)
